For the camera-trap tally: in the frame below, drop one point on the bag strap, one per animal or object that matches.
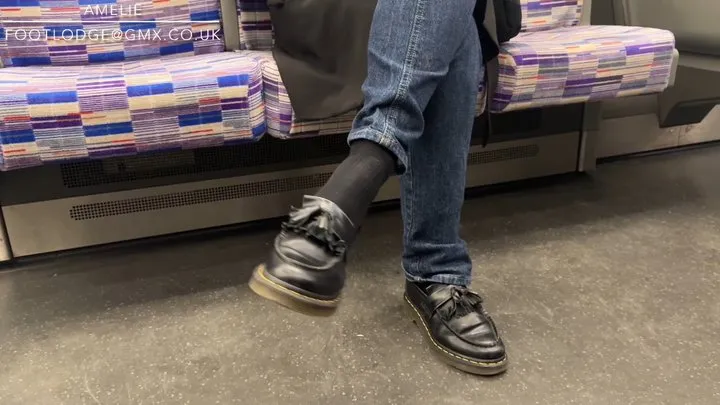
(492, 67)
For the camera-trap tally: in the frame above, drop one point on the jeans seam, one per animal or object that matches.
(408, 66)
(408, 228)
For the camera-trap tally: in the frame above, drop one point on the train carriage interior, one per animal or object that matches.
(142, 179)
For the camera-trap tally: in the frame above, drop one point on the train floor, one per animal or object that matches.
(605, 289)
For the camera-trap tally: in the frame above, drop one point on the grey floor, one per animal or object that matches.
(605, 288)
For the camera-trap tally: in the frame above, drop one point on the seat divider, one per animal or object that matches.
(586, 12)
(230, 24)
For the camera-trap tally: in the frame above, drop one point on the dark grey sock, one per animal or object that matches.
(355, 183)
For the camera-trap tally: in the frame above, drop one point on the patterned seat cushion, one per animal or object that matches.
(580, 64)
(53, 113)
(279, 113)
(78, 32)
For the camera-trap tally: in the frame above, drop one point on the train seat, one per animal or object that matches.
(554, 61)
(65, 95)
(581, 64)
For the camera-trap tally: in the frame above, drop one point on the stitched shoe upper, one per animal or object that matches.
(308, 255)
(457, 320)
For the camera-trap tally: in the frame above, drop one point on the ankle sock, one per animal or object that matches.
(355, 183)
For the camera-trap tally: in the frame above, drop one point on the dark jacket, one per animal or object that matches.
(321, 52)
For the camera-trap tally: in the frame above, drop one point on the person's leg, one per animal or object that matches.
(435, 258)
(433, 187)
(411, 46)
(412, 43)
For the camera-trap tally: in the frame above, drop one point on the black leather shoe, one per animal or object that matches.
(306, 268)
(457, 327)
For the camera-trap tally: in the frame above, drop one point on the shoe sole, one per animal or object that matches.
(263, 286)
(454, 359)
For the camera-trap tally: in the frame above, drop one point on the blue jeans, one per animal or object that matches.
(424, 70)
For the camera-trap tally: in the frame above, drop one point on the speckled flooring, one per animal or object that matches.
(605, 289)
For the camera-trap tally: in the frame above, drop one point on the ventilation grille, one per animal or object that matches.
(194, 197)
(267, 151)
(501, 155)
(256, 189)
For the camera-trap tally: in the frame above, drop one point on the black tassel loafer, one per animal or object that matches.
(457, 327)
(306, 268)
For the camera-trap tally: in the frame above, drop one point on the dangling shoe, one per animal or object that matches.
(306, 268)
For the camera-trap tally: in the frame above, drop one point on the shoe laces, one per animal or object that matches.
(315, 224)
(462, 301)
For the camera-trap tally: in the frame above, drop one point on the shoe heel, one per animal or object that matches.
(264, 287)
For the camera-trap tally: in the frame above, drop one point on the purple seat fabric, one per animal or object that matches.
(110, 79)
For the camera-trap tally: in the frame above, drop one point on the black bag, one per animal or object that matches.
(508, 19)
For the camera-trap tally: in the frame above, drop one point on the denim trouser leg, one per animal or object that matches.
(424, 68)
(433, 186)
(411, 46)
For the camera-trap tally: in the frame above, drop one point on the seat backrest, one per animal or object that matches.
(256, 32)
(78, 32)
(542, 15)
